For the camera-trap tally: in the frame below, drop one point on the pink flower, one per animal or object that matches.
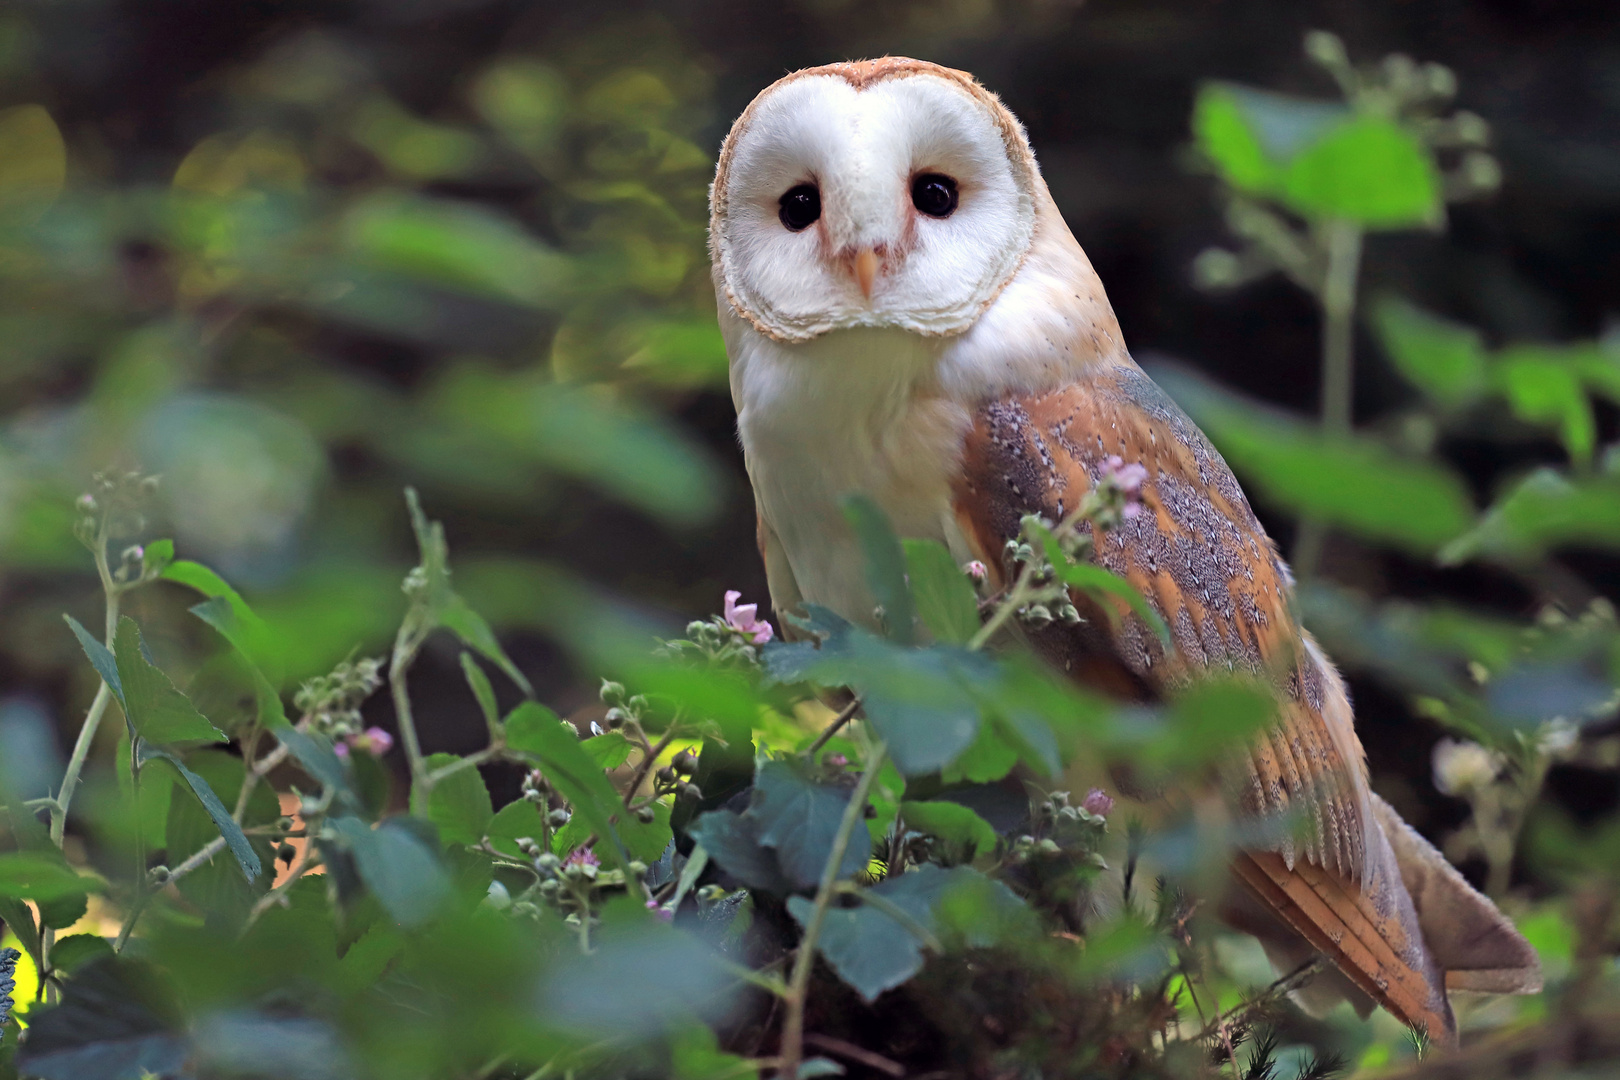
(374, 741)
(837, 761)
(1097, 802)
(976, 571)
(743, 618)
(664, 914)
(1129, 479)
(582, 856)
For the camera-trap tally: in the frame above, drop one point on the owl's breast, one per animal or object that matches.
(850, 413)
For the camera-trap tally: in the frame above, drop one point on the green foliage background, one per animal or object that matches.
(296, 257)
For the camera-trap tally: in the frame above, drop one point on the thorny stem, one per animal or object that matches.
(804, 962)
(844, 716)
(1338, 300)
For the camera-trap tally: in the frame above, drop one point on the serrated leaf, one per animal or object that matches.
(316, 756)
(609, 750)
(1543, 388)
(20, 921)
(101, 658)
(885, 566)
(42, 877)
(953, 823)
(404, 875)
(158, 712)
(459, 804)
(944, 597)
(799, 818)
(246, 857)
(1251, 135)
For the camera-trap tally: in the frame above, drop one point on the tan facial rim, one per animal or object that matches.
(860, 74)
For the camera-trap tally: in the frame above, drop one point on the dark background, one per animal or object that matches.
(1105, 88)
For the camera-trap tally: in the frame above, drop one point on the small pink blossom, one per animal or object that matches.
(341, 750)
(663, 913)
(976, 571)
(836, 760)
(743, 618)
(1129, 479)
(582, 856)
(374, 741)
(1097, 802)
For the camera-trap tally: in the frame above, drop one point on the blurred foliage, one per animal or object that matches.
(335, 292)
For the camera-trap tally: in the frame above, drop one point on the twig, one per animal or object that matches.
(202, 855)
(843, 717)
(804, 962)
(649, 755)
(856, 1053)
(1292, 981)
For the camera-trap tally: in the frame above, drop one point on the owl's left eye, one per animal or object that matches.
(800, 207)
(934, 194)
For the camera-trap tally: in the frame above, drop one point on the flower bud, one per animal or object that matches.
(558, 817)
(547, 861)
(645, 815)
(637, 868)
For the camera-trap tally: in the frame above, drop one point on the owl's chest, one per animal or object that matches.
(856, 416)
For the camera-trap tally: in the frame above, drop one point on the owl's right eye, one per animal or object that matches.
(800, 207)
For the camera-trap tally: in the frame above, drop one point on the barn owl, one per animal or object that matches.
(907, 316)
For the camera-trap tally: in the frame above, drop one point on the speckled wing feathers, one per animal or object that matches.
(1201, 559)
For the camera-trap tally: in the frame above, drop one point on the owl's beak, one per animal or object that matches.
(866, 268)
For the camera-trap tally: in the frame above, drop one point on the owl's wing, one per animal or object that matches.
(1198, 555)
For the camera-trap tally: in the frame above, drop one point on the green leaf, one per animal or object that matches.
(1544, 388)
(101, 658)
(118, 1020)
(64, 911)
(158, 712)
(156, 557)
(1251, 134)
(1444, 360)
(1543, 511)
(1369, 170)
(518, 820)
(1201, 726)
(879, 945)
(990, 757)
(459, 804)
(20, 921)
(799, 818)
(609, 750)
(474, 631)
(76, 950)
(232, 616)
(42, 877)
(1356, 484)
(482, 690)
(945, 599)
(455, 245)
(534, 729)
(399, 869)
(317, 757)
(732, 842)
(953, 823)
(885, 566)
(246, 857)
(219, 614)
(1100, 582)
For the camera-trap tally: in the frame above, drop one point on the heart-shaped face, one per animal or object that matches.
(889, 194)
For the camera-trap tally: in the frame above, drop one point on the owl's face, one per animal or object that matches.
(889, 193)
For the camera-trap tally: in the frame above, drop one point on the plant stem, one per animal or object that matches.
(649, 757)
(1338, 300)
(844, 716)
(405, 646)
(799, 985)
(488, 753)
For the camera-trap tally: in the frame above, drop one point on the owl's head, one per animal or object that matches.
(883, 193)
